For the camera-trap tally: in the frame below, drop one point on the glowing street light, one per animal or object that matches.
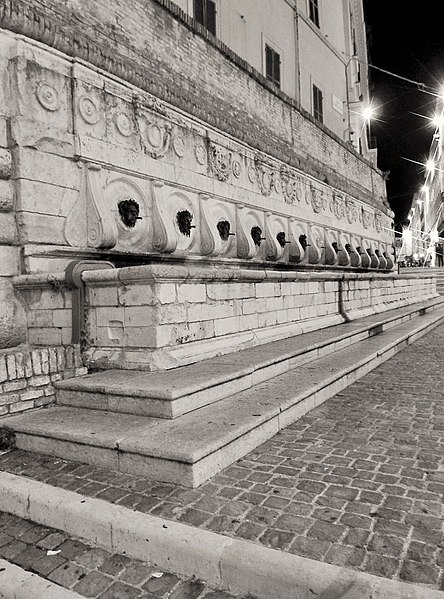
(430, 166)
(368, 113)
(438, 120)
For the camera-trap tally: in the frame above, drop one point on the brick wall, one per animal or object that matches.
(27, 376)
(155, 46)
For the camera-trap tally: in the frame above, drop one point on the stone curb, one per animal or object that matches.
(16, 583)
(235, 565)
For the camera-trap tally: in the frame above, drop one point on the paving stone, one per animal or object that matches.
(93, 584)
(386, 545)
(12, 549)
(92, 558)
(326, 531)
(26, 558)
(418, 573)
(222, 524)
(277, 539)
(310, 547)
(341, 555)
(115, 564)
(53, 540)
(136, 572)
(188, 589)
(162, 585)
(194, 517)
(5, 539)
(67, 574)
(72, 548)
(47, 564)
(119, 590)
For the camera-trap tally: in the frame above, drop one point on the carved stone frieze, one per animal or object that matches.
(48, 96)
(124, 124)
(220, 161)
(89, 110)
(201, 154)
(252, 174)
(288, 187)
(154, 104)
(337, 206)
(317, 199)
(236, 167)
(179, 146)
(378, 221)
(351, 211)
(368, 218)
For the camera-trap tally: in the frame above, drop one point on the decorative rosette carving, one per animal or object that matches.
(378, 221)
(89, 110)
(48, 96)
(367, 218)
(158, 138)
(220, 161)
(124, 124)
(179, 146)
(288, 185)
(351, 211)
(337, 206)
(201, 154)
(317, 199)
(236, 167)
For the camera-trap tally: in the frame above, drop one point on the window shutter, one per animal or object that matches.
(277, 68)
(268, 62)
(199, 11)
(211, 17)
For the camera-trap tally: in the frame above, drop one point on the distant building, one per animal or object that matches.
(315, 51)
(428, 203)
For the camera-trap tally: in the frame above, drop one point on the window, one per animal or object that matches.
(205, 14)
(272, 65)
(313, 11)
(318, 104)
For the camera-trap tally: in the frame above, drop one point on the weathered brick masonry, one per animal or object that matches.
(27, 376)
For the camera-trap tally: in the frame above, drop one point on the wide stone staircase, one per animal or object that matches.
(185, 425)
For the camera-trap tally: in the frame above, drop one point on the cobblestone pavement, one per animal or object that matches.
(357, 482)
(88, 570)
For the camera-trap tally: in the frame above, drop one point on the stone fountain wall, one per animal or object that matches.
(243, 218)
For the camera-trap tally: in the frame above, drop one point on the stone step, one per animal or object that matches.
(172, 393)
(194, 447)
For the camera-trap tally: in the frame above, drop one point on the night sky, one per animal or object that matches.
(407, 39)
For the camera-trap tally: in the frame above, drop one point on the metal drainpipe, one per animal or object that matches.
(73, 278)
(341, 308)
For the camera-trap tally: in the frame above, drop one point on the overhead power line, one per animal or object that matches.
(421, 86)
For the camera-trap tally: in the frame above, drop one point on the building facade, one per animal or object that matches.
(168, 195)
(426, 229)
(315, 51)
